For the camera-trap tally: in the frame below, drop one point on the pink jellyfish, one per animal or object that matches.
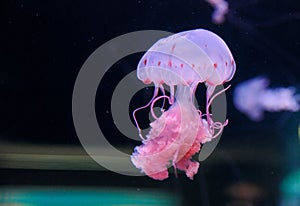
(183, 60)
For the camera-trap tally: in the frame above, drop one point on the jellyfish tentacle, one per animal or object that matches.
(143, 107)
(220, 126)
(193, 91)
(220, 92)
(215, 125)
(164, 101)
(200, 113)
(153, 102)
(209, 92)
(172, 94)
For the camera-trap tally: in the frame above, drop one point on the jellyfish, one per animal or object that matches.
(183, 61)
(221, 9)
(252, 98)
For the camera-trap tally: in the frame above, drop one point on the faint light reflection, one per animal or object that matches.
(299, 132)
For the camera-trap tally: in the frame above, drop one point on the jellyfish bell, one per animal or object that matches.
(183, 60)
(222, 62)
(189, 57)
(197, 56)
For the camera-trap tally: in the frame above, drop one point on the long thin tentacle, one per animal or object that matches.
(215, 125)
(220, 126)
(172, 94)
(143, 107)
(213, 97)
(153, 102)
(164, 93)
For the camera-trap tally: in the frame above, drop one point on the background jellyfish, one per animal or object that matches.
(220, 10)
(252, 98)
(183, 60)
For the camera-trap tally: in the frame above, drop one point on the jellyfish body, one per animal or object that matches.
(173, 139)
(252, 98)
(183, 60)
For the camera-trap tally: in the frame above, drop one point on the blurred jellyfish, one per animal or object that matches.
(221, 9)
(252, 98)
(183, 60)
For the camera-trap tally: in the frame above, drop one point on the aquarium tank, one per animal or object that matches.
(180, 103)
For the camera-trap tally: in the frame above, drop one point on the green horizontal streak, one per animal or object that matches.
(69, 196)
